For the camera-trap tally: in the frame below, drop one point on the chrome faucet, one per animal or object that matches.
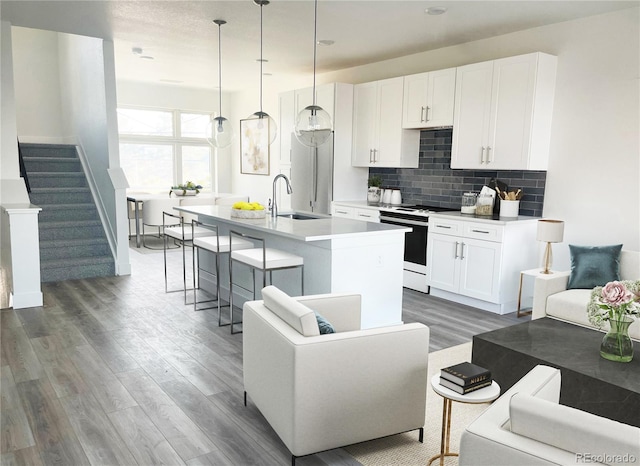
(274, 204)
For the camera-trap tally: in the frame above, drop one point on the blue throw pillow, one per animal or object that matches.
(324, 325)
(593, 266)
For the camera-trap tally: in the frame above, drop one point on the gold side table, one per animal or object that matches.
(483, 395)
(530, 273)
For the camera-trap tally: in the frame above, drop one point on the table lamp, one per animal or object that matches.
(549, 231)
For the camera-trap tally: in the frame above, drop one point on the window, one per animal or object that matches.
(161, 148)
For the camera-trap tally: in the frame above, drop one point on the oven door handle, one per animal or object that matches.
(401, 222)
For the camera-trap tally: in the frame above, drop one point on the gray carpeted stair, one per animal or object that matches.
(72, 240)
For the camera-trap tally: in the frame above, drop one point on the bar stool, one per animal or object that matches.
(152, 215)
(174, 227)
(217, 245)
(263, 258)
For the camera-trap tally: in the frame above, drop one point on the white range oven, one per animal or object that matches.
(415, 242)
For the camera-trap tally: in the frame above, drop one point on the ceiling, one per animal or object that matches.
(183, 41)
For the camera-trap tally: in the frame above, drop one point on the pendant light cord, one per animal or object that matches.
(315, 48)
(220, 71)
(261, 60)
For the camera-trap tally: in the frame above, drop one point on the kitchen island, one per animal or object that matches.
(340, 256)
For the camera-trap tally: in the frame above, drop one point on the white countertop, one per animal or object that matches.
(302, 230)
(479, 218)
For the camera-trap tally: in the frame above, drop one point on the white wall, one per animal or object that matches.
(35, 61)
(87, 78)
(259, 187)
(594, 167)
(12, 187)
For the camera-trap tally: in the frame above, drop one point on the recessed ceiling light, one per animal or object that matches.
(326, 42)
(137, 51)
(435, 10)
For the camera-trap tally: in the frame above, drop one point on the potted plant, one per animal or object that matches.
(373, 193)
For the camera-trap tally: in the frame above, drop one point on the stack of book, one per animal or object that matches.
(465, 377)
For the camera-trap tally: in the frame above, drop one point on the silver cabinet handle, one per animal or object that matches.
(426, 114)
(342, 212)
(489, 158)
(422, 119)
(481, 231)
(482, 154)
(446, 227)
(461, 251)
(456, 251)
(370, 155)
(374, 155)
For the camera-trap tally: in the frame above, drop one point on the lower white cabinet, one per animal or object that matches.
(464, 266)
(343, 211)
(478, 263)
(356, 211)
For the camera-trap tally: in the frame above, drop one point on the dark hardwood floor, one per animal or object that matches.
(115, 371)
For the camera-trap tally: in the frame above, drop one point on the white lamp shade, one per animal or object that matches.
(313, 126)
(550, 231)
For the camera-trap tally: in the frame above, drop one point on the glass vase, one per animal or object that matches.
(616, 344)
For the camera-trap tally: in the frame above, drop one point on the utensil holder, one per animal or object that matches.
(509, 208)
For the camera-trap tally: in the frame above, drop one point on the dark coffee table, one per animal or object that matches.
(589, 382)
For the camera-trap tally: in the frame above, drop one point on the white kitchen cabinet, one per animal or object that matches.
(429, 99)
(356, 210)
(478, 262)
(368, 215)
(378, 137)
(502, 114)
(343, 211)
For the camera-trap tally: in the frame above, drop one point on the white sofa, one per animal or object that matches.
(551, 297)
(527, 426)
(320, 392)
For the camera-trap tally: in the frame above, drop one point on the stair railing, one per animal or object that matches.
(23, 170)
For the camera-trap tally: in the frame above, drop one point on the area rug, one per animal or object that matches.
(404, 449)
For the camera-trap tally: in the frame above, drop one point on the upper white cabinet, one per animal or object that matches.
(429, 99)
(502, 116)
(378, 137)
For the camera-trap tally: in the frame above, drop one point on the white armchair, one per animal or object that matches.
(320, 392)
(527, 426)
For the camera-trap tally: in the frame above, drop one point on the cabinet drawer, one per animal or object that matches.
(369, 215)
(484, 231)
(344, 211)
(445, 226)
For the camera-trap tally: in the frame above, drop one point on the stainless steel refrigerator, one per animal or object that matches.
(317, 177)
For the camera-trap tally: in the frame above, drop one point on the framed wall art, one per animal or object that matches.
(254, 146)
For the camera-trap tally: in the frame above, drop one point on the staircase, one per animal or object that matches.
(73, 243)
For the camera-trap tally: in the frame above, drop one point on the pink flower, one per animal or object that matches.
(616, 294)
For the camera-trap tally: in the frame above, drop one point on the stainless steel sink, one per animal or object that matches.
(297, 216)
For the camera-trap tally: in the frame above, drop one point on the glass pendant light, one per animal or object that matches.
(220, 130)
(313, 124)
(264, 120)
